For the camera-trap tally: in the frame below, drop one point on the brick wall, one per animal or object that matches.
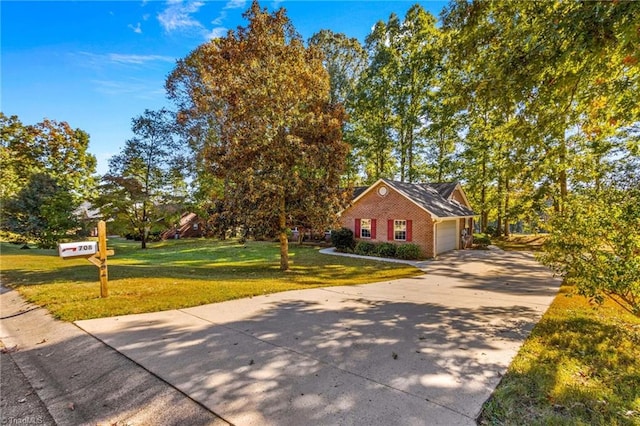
(391, 206)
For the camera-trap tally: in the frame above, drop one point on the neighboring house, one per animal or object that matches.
(437, 216)
(190, 226)
(88, 217)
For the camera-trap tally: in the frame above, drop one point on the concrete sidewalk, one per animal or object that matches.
(422, 350)
(420, 264)
(61, 375)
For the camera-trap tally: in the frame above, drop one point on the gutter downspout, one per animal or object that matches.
(435, 236)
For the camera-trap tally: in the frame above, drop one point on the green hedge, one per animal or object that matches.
(366, 248)
(408, 252)
(342, 239)
(399, 251)
(482, 240)
(387, 250)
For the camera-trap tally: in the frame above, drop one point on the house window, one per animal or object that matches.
(400, 230)
(365, 228)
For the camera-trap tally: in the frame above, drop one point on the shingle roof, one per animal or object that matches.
(445, 188)
(433, 197)
(359, 190)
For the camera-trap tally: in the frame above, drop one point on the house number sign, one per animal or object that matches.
(79, 249)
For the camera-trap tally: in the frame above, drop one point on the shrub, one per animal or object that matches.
(365, 248)
(481, 240)
(387, 250)
(343, 240)
(408, 251)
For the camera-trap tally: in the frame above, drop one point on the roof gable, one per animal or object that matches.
(433, 198)
(444, 188)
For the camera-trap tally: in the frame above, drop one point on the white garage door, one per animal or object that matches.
(446, 236)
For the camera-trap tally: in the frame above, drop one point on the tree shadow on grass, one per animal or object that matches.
(247, 272)
(586, 372)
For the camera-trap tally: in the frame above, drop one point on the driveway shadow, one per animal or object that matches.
(424, 349)
(364, 362)
(511, 273)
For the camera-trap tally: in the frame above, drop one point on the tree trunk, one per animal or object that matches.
(144, 226)
(143, 237)
(410, 172)
(284, 241)
(484, 214)
(500, 206)
(562, 174)
(441, 155)
(284, 251)
(403, 155)
(563, 189)
(507, 231)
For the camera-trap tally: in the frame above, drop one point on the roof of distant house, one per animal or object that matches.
(86, 211)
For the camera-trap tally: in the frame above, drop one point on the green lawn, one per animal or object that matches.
(517, 242)
(580, 366)
(178, 274)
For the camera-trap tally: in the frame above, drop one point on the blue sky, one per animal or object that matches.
(98, 64)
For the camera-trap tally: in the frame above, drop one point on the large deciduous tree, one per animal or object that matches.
(551, 106)
(394, 103)
(42, 210)
(50, 147)
(271, 135)
(546, 86)
(145, 182)
(345, 60)
(46, 173)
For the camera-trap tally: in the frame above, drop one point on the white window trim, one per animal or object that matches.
(395, 225)
(363, 228)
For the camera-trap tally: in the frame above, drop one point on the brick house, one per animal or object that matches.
(437, 216)
(190, 226)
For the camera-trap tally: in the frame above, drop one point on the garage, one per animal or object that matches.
(446, 236)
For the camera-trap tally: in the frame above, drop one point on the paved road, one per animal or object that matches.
(422, 350)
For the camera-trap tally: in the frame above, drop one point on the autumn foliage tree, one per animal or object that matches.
(267, 128)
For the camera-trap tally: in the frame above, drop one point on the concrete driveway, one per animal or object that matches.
(423, 350)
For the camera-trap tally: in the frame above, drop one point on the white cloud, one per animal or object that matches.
(140, 89)
(220, 30)
(217, 33)
(136, 29)
(100, 61)
(177, 15)
(235, 4)
(137, 59)
(220, 18)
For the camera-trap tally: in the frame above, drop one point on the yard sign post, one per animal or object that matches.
(96, 255)
(102, 258)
